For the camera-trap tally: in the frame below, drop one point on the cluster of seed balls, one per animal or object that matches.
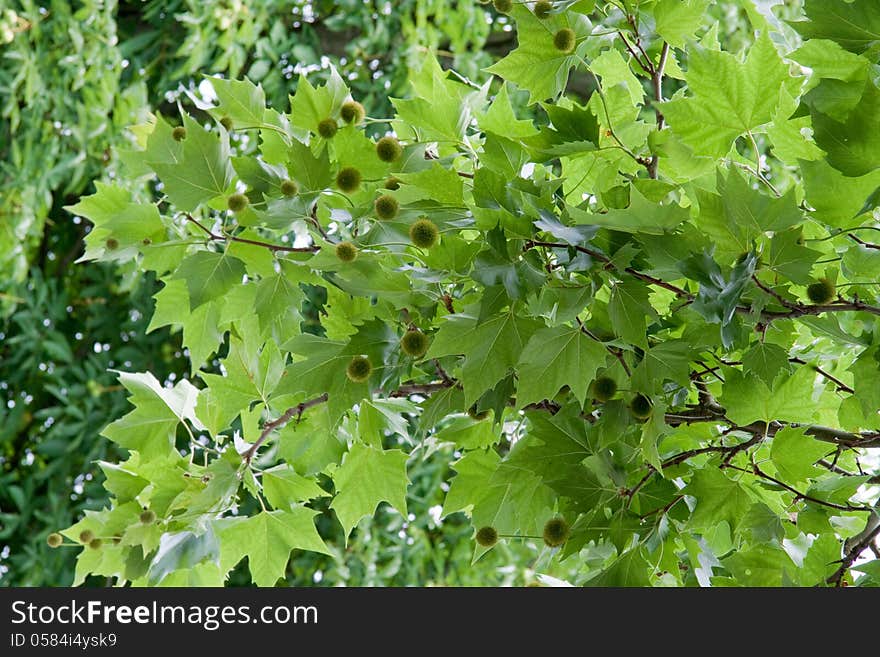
(87, 536)
(414, 343)
(564, 39)
(556, 532)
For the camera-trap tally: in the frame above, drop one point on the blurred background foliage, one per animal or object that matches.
(73, 75)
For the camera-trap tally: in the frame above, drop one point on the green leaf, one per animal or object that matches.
(642, 216)
(629, 309)
(555, 357)
(240, 100)
(536, 65)
(853, 145)
(677, 20)
(367, 477)
(266, 539)
(490, 348)
(209, 275)
(748, 399)
(728, 97)
(205, 171)
(718, 498)
(284, 488)
(855, 24)
(794, 453)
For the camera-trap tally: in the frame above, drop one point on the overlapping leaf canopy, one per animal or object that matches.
(663, 235)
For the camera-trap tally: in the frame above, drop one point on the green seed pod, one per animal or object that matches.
(388, 149)
(352, 112)
(414, 343)
(555, 532)
(226, 122)
(604, 388)
(289, 188)
(54, 540)
(564, 40)
(346, 251)
(503, 6)
(348, 179)
(393, 183)
(112, 244)
(237, 202)
(487, 536)
(386, 207)
(86, 536)
(641, 407)
(179, 133)
(822, 291)
(327, 128)
(359, 369)
(424, 233)
(148, 517)
(543, 8)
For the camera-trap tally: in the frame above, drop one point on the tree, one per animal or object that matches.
(697, 233)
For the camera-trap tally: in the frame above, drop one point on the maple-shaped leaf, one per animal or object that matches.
(266, 539)
(536, 64)
(728, 97)
(491, 348)
(205, 170)
(554, 357)
(368, 476)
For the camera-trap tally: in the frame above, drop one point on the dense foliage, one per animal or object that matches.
(646, 324)
(72, 76)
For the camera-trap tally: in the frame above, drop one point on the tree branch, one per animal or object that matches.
(266, 245)
(855, 547)
(288, 415)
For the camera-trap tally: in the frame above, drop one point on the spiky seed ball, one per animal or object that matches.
(86, 536)
(289, 188)
(112, 244)
(543, 8)
(359, 369)
(414, 343)
(346, 251)
(348, 179)
(641, 406)
(327, 128)
(148, 517)
(503, 6)
(393, 183)
(487, 536)
(424, 233)
(237, 202)
(386, 207)
(472, 412)
(564, 40)
(352, 112)
(54, 540)
(604, 388)
(822, 291)
(96, 543)
(179, 133)
(388, 149)
(555, 532)
(226, 122)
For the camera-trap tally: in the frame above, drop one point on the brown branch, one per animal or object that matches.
(853, 553)
(651, 280)
(243, 240)
(755, 470)
(657, 82)
(867, 245)
(288, 415)
(649, 68)
(840, 384)
(773, 293)
(617, 353)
